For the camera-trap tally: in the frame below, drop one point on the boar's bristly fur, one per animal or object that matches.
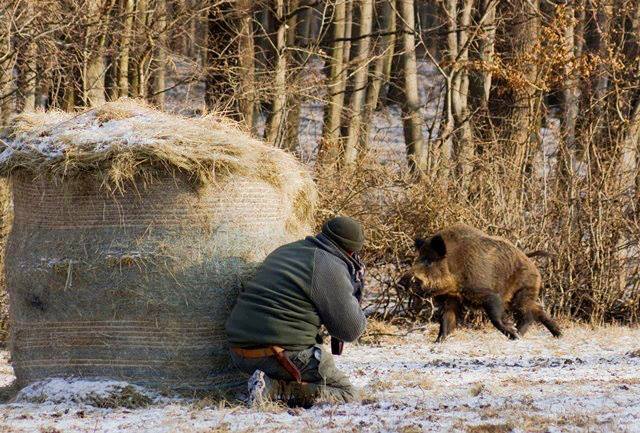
(462, 266)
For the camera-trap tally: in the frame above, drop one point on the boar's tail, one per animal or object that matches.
(539, 253)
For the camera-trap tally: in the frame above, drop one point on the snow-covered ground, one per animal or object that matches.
(478, 381)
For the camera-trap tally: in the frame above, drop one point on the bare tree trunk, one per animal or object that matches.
(127, 10)
(480, 80)
(246, 52)
(139, 63)
(358, 95)
(630, 152)
(524, 119)
(604, 15)
(159, 70)
(221, 59)
(26, 60)
(629, 156)
(94, 67)
(274, 130)
(411, 116)
(382, 66)
(294, 63)
(6, 69)
(462, 140)
(573, 40)
(70, 90)
(330, 143)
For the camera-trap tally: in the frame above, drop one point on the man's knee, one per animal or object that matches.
(337, 386)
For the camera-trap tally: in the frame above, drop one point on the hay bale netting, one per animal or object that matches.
(132, 232)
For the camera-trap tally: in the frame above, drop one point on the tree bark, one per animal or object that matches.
(381, 70)
(358, 95)
(94, 67)
(573, 38)
(222, 60)
(139, 62)
(26, 59)
(6, 68)
(274, 130)
(462, 144)
(159, 70)
(524, 117)
(295, 65)
(246, 52)
(411, 116)
(329, 150)
(127, 10)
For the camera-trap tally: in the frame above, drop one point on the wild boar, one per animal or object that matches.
(462, 266)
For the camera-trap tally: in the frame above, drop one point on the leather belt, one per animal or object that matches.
(275, 351)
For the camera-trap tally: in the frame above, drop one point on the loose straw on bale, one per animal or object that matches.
(126, 140)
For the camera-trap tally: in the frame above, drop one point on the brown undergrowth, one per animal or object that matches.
(591, 269)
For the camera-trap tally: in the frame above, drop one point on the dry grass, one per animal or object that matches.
(379, 332)
(128, 397)
(401, 380)
(490, 428)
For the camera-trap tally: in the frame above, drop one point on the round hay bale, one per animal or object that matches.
(133, 231)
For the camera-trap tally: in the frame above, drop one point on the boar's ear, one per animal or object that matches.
(438, 246)
(418, 243)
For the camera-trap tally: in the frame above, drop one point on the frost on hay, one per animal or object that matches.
(100, 393)
(125, 140)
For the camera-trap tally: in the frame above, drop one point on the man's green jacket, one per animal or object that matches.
(299, 287)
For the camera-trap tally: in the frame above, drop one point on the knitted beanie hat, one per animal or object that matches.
(346, 232)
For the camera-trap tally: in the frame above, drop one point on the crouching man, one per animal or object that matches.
(273, 328)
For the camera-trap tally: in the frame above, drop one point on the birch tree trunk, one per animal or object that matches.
(274, 130)
(411, 117)
(358, 95)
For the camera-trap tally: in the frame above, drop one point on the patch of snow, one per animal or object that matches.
(587, 381)
(82, 391)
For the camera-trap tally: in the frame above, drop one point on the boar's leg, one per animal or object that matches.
(494, 307)
(542, 316)
(524, 318)
(521, 305)
(449, 317)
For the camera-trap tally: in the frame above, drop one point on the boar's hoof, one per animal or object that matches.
(511, 332)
